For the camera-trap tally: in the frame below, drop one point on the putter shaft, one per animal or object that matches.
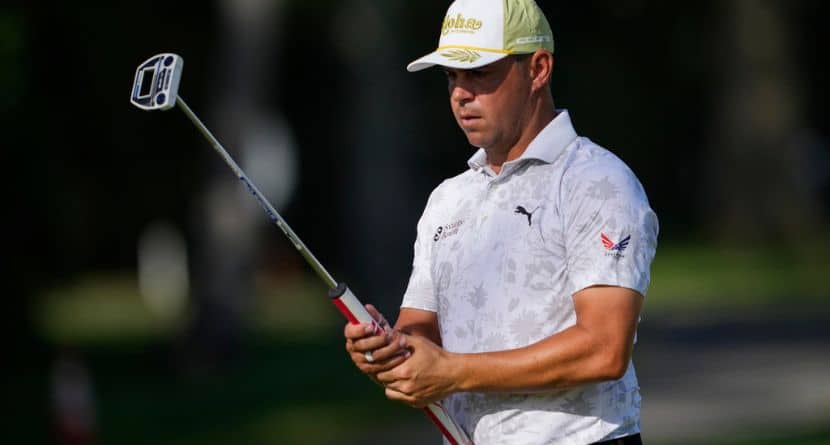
(269, 209)
(356, 313)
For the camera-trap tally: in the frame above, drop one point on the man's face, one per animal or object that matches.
(490, 103)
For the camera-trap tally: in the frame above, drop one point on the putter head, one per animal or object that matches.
(156, 83)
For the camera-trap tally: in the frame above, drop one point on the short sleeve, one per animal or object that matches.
(420, 293)
(610, 229)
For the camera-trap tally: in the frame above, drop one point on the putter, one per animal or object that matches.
(156, 87)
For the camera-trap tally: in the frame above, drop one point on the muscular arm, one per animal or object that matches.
(598, 347)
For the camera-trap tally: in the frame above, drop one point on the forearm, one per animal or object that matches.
(570, 358)
(421, 323)
(597, 348)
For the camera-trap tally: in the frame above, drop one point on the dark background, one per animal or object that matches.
(717, 106)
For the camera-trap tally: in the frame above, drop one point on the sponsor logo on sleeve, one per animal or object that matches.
(614, 249)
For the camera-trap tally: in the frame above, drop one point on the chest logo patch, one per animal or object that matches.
(447, 231)
(523, 211)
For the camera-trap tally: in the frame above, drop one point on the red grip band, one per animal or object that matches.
(345, 311)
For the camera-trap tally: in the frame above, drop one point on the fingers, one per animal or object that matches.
(370, 344)
(393, 394)
(396, 346)
(377, 366)
(391, 376)
(386, 354)
(360, 349)
(356, 331)
(379, 318)
(375, 313)
(373, 353)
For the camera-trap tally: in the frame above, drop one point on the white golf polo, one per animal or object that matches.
(499, 257)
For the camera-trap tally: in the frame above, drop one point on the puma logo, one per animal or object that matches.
(522, 211)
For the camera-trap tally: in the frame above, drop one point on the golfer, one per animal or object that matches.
(530, 267)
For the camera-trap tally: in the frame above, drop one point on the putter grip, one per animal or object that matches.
(351, 307)
(356, 313)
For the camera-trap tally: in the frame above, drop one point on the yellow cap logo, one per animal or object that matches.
(460, 24)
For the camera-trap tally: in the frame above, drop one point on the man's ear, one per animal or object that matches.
(541, 67)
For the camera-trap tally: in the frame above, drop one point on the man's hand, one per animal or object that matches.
(425, 377)
(386, 350)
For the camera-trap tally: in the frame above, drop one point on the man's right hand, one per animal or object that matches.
(386, 350)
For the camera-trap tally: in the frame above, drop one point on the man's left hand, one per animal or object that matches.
(426, 377)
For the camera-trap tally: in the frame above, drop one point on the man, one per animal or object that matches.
(530, 267)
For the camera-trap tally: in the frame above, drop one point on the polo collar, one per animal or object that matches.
(557, 135)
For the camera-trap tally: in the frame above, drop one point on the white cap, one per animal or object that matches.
(479, 32)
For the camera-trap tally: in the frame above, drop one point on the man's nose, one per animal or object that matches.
(461, 93)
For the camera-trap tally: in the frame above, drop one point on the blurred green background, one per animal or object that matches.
(148, 300)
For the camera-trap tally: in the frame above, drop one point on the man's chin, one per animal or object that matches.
(475, 139)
